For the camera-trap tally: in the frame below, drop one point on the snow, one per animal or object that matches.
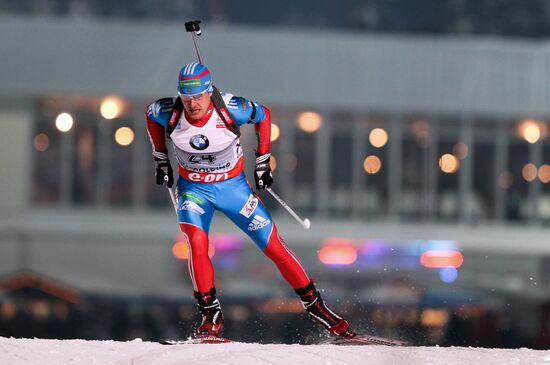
(56, 352)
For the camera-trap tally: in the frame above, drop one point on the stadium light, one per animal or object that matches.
(41, 142)
(124, 136)
(275, 132)
(529, 172)
(442, 259)
(544, 174)
(180, 249)
(460, 150)
(310, 122)
(532, 131)
(64, 122)
(111, 107)
(372, 164)
(449, 164)
(378, 137)
(337, 251)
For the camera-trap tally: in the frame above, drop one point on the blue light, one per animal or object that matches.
(448, 274)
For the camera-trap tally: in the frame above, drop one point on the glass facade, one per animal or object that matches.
(379, 164)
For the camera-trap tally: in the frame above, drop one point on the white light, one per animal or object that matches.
(378, 137)
(64, 122)
(124, 136)
(110, 107)
(275, 132)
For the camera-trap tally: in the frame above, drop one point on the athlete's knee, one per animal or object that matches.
(197, 239)
(276, 248)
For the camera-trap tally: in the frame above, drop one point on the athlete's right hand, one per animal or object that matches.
(163, 169)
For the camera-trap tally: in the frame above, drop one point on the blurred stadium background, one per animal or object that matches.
(414, 134)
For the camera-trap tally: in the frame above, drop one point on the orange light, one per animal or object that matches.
(310, 122)
(338, 251)
(460, 150)
(544, 174)
(41, 142)
(529, 172)
(505, 180)
(449, 164)
(441, 258)
(372, 164)
(273, 163)
(180, 249)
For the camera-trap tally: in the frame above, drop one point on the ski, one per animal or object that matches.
(362, 340)
(196, 340)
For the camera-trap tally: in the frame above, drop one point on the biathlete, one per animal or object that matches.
(203, 125)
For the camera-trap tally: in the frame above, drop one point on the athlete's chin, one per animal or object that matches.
(195, 114)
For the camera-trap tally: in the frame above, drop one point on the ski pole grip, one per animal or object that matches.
(193, 26)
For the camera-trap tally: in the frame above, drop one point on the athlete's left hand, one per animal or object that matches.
(262, 172)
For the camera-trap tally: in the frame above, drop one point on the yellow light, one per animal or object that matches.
(506, 180)
(180, 249)
(530, 130)
(309, 122)
(275, 132)
(378, 137)
(434, 317)
(41, 142)
(110, 107)
(64, 122)
(124, 136)
(449, 164)
(460, 150)
(544, 174)
(529, 172)
(372, 164)
(273, 163)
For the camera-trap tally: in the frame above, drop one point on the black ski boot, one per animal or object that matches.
(211, 312)
(318, 311)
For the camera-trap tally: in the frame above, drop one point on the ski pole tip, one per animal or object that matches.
(307, 223)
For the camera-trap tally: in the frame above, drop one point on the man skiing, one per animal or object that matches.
(203, 125)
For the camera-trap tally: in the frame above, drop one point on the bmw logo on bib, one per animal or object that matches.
(199, 142)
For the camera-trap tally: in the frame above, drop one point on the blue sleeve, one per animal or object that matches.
(245, 111)
(160, 111)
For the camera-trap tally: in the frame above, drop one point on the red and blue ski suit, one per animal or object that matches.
(211, 177)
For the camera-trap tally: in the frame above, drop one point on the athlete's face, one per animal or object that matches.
(196, 105)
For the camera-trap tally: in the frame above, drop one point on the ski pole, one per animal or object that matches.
(304, 222)
(172, 196)
(194, 27)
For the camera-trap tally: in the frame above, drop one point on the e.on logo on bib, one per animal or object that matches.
(208, 178)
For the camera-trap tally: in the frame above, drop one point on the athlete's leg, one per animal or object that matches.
(195, 212)
(246, 210)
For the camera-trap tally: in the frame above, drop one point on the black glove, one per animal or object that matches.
(262, 172)
(163, 169)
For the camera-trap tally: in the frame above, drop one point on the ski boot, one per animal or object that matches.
(211, 312)
(319, 312)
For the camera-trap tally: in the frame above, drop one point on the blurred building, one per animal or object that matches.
(423, 163)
